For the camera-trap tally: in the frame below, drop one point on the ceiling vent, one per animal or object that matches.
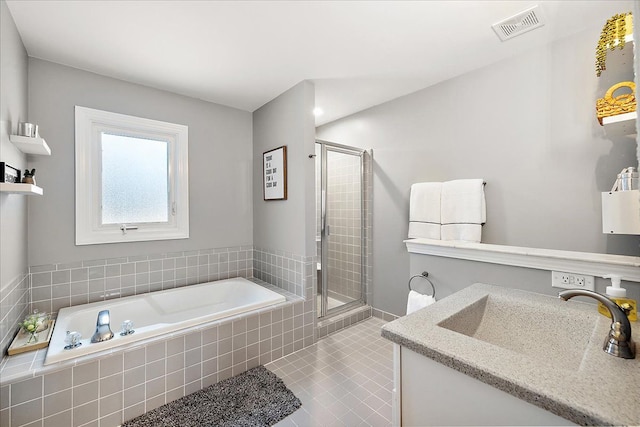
(520, 23)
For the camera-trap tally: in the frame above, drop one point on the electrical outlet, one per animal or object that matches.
(564, 280)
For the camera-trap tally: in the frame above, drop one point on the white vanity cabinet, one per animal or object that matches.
(428, 393)
(491, 355)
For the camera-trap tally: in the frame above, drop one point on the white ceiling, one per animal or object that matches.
(244, 53)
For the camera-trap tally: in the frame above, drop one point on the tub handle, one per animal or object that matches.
(72, 340)
(127, 328)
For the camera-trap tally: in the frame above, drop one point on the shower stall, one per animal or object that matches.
(340, 227)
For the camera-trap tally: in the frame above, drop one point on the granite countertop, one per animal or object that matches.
(580, 382)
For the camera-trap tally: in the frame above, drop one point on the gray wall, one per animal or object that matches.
(286, 225)
(526, 125)
(13, 109)
(220, 159)
(13, 208)
(452, 275)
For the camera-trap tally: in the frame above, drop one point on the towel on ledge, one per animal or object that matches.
(416, 301)
(425, 230)
(463, 202)
(464, 210)
(464, 232)
(424, 210)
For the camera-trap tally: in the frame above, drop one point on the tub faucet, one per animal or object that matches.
(103, 331)
(618, 343)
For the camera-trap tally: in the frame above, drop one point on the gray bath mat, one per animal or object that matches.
(254, 398)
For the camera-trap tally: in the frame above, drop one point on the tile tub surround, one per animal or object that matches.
(286, 270)
(14, 306)
(54, 286)
(124, 383)
(599, 390)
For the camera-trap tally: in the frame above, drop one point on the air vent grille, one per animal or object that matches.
(520, 23)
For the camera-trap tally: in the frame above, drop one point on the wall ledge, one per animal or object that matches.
(543, 259)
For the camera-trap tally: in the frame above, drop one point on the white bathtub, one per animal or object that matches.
(157, 313)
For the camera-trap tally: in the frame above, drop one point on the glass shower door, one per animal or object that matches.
(341, 229)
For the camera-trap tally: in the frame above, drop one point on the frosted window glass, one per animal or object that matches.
(135, 175)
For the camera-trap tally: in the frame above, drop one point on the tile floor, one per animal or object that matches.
(345, 379)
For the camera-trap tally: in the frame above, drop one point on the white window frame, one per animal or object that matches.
(89, 229)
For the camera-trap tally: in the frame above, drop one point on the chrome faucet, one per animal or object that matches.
(618, 343)
(103, 331)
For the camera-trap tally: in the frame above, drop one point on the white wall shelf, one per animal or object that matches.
(621, 124)
(628, 267)
(25, 189)
(29, 145)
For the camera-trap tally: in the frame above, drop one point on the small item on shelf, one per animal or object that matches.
(618, 294)
(612, 36)
(34, 324)
(627, 180)
(28, 129)
(29, 177)
(35, 333)
(9, 174)
(621, 104)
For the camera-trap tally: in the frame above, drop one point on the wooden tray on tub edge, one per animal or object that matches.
(19, 344)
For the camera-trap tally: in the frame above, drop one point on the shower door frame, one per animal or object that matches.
(326, 232)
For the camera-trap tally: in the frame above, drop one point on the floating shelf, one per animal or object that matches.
(621, 124)
(25, 189)
(29, 145)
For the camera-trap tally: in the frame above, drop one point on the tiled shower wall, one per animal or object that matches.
(340, 252)
(344, 210)
(14, 305)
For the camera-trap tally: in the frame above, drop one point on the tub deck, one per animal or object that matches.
(17, 368)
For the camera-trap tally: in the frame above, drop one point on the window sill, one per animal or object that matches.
(140, 235)
(544, 259)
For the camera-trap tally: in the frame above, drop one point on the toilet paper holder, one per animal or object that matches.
(424, 275)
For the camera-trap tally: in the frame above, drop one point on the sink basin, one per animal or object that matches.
(538, 348)
(556, 333)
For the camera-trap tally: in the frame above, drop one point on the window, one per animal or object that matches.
(132, 179)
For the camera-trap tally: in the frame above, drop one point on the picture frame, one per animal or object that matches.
(9, 174)
(274, 174)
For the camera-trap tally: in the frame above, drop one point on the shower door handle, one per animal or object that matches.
(326, 227)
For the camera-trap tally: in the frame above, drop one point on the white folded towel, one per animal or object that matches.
(425, 230)
(416, 301)
(463, 202)
(424, 210)
(464, 232)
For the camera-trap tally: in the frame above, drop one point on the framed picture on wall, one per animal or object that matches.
(9, 174)
(274, 174)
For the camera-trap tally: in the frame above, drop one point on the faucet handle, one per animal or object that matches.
(72, 340)
(127, 328)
